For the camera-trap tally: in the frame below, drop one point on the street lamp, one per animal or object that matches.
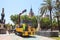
(19, 16)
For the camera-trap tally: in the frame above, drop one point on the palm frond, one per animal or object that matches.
(57, 14)
(43, 10)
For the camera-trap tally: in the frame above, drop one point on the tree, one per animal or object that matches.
(57, 13)
(55, 25)
(8, 26)
(45, 23)
(47, 6)
(14, 18)
(34, 21)
(25, 17)
(38, 22)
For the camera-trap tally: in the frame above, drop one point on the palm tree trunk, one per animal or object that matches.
(51, 19)
(38, 28)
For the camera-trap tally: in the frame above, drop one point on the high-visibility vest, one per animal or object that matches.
(24, 25)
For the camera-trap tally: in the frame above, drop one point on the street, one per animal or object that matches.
(15, 37)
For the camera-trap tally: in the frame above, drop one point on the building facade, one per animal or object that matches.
(31, 13)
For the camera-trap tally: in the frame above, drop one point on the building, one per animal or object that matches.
(31, 13)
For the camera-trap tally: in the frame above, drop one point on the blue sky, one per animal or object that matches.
(16, 6)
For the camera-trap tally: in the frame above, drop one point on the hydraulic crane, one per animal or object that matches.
(28, 31)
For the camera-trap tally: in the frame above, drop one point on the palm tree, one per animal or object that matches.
(57, 7)
(57, 15)
(38, 22)
(14, 18)
(47, 7)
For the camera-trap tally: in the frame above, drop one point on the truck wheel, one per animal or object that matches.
(20, 34)
(16, 32)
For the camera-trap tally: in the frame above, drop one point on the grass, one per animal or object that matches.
(57, 38)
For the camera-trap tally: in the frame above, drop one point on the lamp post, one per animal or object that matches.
(19, 16)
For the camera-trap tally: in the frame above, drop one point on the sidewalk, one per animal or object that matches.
(44, 38)
(15, 37)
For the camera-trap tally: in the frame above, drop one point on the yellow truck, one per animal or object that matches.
(25, 29)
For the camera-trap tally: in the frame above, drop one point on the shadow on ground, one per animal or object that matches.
(28, 36)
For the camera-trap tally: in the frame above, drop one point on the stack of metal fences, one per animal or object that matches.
(48, 33)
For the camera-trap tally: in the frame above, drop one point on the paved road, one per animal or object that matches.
(15, 37)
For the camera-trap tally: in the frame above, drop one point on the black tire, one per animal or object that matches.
(18, 33)
(15, 32)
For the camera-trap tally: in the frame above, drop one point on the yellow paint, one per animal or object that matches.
(29, 29)
(26, 32)
(19, 29)
(31, 33)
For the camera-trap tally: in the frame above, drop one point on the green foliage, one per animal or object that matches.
(46, 6)
(23, 17)
(14, 18)
(34, 21)
(54, 24)
(45, 22)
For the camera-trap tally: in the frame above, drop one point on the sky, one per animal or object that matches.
(12, 7)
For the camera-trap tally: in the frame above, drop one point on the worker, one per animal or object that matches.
(24, 26)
